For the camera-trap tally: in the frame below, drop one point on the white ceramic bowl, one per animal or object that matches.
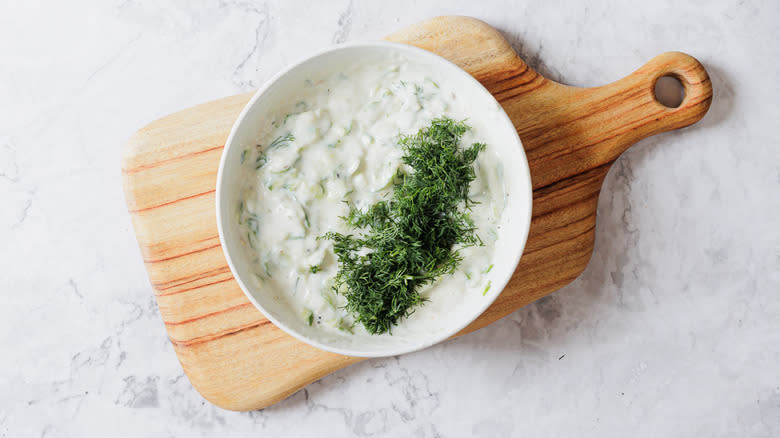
(513, 227)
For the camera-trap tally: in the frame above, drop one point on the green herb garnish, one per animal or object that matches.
(409, 240)
(261, 158)
(314, 269)
(254, 224)
(418, 91)
(281, 141)
(305, 217)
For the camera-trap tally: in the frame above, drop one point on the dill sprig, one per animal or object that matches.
(413, 238)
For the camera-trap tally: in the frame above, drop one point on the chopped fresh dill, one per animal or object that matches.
(282, 140)
(243, 155)
(310, 318)
(261, 158)
(490, 268)
(284, 170)
(487, 288)
(254, 224)
(419, 93)
(267, 269)
(314, 269)
(414, 237)
(432, 82)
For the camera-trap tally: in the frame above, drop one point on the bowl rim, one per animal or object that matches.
(521, 167)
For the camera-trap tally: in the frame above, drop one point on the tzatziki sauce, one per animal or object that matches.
(333, 146)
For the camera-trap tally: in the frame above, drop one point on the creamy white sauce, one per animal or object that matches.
(344, 128)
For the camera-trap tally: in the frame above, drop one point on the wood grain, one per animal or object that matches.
(235, 357)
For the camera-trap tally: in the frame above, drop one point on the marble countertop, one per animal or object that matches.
(673, 330)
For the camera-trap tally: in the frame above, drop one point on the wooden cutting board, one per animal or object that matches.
(235, 357)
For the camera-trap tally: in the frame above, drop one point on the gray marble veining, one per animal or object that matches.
(673, 330)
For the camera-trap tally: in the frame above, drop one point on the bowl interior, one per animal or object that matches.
(483, 113)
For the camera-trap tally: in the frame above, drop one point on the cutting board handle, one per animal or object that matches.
(646, 113)
(571, 130)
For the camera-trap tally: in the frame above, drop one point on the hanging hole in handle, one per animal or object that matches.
(669, 91)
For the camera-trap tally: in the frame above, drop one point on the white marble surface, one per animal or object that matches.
(673, 330)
